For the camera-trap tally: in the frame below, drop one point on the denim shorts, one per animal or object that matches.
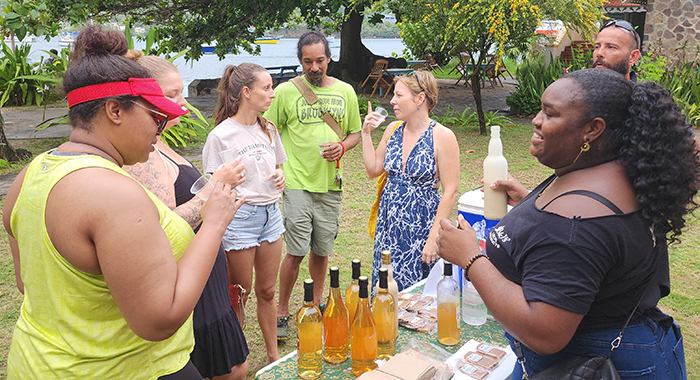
(646, 352)
(253, 225)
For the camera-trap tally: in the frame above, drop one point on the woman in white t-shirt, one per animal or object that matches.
(253, 239)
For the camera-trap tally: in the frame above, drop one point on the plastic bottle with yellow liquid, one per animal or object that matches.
(335, 324)
(448, 308)
(363, 334)
(384, 312)
(310, 335)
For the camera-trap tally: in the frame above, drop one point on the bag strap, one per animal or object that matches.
(613, 345)
(311, 98)
(605, 201)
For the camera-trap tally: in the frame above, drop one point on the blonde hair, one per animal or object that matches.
(421, 81)
(156, 66)
(230, 86)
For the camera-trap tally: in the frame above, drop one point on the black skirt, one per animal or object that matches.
(219, 343)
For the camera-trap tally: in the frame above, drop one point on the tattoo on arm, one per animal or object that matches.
(153, 180)
(190, 212)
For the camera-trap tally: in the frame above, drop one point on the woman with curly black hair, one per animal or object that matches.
(567, 266)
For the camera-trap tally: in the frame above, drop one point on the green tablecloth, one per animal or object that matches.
(286, 368)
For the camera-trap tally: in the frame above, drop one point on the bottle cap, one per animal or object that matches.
(334, 273)
(383, 278)
(356, 269)
(363, 287)
(386, 257)
(308, 290)
(447, 270)
(495, 131)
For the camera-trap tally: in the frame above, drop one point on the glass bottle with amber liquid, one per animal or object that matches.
(335, 324)
(392, 286)
(448, 308)
(310, 335)
(363, 334)
(353, 291)
(384, 312)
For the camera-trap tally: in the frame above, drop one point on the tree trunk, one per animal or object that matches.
(7, 153)
(354, 63)
(475, 79)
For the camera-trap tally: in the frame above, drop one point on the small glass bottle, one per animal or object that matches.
(310, 335)
(363, 334)
(384, 312)
(335, 324)
(391, 283)
(353, 291)
(448, 308)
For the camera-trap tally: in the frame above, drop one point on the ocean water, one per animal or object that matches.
(210, 67)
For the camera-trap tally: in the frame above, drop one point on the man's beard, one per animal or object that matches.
(315, 78)
(620, 66)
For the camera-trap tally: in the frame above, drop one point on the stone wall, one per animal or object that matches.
(672, 21)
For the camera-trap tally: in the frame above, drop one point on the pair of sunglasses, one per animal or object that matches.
(418, 81)
(624, 25)
(160, 118)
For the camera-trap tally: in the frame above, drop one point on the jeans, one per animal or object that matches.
(646, 352)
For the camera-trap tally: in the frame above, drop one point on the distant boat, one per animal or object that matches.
(208, 49)
(268, 40)
(26, 39)
(67, 38)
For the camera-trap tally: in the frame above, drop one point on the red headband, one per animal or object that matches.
(147, 88)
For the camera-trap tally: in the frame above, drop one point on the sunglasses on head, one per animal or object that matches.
(418, 81)
(160, 118)
(624, 25)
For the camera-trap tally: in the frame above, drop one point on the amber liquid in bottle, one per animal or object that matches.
(392, 286)
(353, 291)
(335, 324)
(363, 334)
(384, 311)
(448, 308)
(310, 336)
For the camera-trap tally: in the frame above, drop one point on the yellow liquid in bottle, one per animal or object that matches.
(364, 349)
(448, 327)
(335, 331)
(309, 346)
(352, 296)
(385, 323)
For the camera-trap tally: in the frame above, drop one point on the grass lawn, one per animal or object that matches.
(353, 242)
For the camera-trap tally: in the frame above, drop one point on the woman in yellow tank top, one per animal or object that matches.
(110, 275)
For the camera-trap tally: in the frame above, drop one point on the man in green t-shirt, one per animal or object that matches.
(311, 200)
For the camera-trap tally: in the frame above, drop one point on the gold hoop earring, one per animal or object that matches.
(586, 146)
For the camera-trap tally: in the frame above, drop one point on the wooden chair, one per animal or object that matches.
(494, 74)
(464, 61)
(431, 64)
(377, 74)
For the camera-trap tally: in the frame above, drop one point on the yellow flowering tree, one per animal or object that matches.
(475, 29)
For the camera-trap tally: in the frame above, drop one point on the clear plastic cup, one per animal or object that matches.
(323, 143)
(383, 113)
(202, 187)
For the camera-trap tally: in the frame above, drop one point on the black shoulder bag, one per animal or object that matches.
(584, 367)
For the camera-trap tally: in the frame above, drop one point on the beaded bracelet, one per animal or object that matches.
(469, 264)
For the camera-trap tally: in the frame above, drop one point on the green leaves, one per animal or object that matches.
(21, 82)
(22, 18)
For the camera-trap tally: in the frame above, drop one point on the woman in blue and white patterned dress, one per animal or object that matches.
(419, 156)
